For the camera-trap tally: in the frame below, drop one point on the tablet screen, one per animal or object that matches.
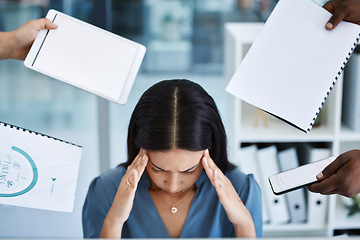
(86, 56)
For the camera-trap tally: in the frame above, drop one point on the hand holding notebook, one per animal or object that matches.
(294, 63)
(342, 10)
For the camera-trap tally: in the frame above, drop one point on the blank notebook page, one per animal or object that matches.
(94, 60)
(294, 62)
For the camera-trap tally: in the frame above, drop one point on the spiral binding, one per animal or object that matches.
(336, 78)
(36, 133)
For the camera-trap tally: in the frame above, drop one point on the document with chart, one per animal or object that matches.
(36, 170)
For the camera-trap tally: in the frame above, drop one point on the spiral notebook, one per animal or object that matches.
(294, 63)
(36, 170)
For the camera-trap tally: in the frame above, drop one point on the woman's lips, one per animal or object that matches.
(174, 194)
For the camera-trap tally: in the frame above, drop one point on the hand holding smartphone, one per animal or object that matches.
(304, 175)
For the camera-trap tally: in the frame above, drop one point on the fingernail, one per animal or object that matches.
(143, 157)
(329, 25)
(207, 151)
(319, 176)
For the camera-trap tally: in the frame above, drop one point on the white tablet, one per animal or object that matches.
(87, 57)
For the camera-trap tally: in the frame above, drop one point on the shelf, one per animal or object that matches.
(298, 227)
(279, 131)
(347, 134)
(342, 221)
(293, 230)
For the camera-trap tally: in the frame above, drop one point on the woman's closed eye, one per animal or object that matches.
(162, 171)
(157, 170)
(189, 172)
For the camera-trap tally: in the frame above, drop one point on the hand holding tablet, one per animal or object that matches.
(87, 57)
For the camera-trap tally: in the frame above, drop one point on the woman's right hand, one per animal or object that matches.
(123, 201)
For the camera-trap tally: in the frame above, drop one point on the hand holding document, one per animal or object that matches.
(294, 63)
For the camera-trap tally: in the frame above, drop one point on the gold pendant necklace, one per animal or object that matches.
(173, 208)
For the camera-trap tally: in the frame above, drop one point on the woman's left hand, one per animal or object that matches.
(236, 211)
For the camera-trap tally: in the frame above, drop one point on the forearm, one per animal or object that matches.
(111, 229)
(245, 230)
(5, 45)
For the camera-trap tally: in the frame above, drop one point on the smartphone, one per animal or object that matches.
(299, 177)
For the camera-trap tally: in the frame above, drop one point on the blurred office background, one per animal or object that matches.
(184, 39)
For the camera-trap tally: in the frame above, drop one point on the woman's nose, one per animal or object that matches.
(173, 183)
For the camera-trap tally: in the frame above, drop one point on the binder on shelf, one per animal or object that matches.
(351, 90)
(248, 164)
(36, 170)
(299, 65)
(296, 200)
(317, 203)
(268, 165)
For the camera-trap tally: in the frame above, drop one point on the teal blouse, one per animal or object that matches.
(206, 217)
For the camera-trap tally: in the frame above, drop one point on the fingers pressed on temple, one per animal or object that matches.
(136, 169)
(211, 163)
(132, 179)
(138, 159)
(142, 164)
(220, 179)
(207, 168)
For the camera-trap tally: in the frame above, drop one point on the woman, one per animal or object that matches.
(177, 181)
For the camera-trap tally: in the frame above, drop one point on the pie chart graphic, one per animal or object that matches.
(18, 173)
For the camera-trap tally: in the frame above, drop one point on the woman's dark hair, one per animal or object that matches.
(177, 114)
